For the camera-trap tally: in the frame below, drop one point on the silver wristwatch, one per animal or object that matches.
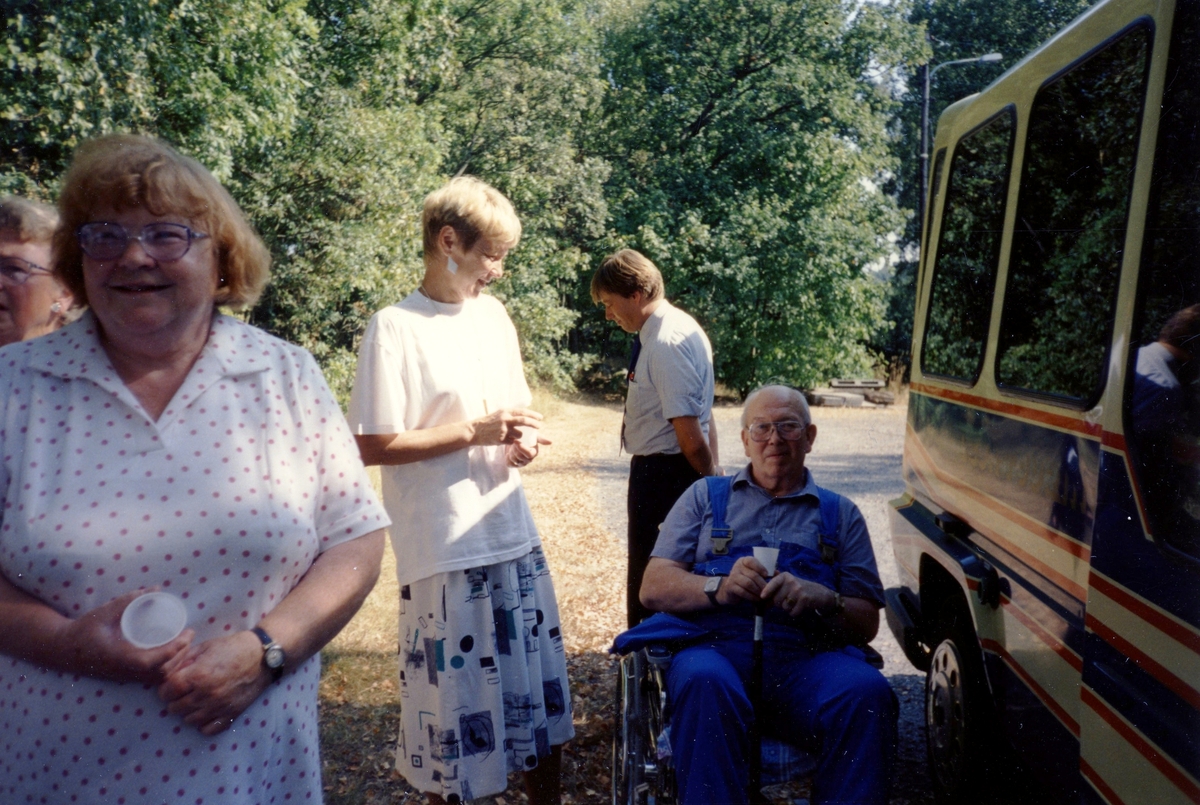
(710, 589)
(273, 654)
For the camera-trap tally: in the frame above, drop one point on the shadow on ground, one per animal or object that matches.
(360, 714)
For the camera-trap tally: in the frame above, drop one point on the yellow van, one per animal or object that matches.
(1048, 539)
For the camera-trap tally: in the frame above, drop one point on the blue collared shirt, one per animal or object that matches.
(757, 518)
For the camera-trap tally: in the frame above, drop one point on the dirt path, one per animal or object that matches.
(576, 490)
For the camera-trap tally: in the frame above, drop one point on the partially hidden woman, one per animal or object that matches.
(440, 401)
(32, 300)
(155, 443)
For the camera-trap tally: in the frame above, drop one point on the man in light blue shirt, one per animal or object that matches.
(819, 692)
(668, 426)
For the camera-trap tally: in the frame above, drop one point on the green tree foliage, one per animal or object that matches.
(329, 120)
(742, 146)
(960, 302)
(1074, 206)
(748, 143)
(339, 202)
(955, 29)
(515, 104)
(214, 77)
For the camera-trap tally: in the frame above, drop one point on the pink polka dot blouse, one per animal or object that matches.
(225, 501)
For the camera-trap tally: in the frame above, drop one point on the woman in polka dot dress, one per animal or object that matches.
(155, 443)
(440, 401)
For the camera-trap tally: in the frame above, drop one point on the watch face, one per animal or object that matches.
(712, 584)
(274, 657)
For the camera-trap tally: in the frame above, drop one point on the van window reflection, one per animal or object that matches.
(1165, 414)
(1069, 237)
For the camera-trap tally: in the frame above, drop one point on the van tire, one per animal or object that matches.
(959, 724)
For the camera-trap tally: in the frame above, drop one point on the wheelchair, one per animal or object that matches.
(642, 769)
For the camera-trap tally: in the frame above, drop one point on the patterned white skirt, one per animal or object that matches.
(483, 677)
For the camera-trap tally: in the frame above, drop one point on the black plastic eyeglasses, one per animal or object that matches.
(162, 241)
(791, 430)
(15, 270)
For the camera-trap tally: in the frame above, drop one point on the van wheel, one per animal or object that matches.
(957, 718)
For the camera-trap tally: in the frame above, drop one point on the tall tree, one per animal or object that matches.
(955, 29)
(329, 120)
(214, 78)
(749, 142)
(339, 202)
(522, 84)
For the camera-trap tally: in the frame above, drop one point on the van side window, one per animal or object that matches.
(1162, 412)
(964, 273)
(1070, 226)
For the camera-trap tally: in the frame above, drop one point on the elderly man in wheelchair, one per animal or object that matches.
(817, 690)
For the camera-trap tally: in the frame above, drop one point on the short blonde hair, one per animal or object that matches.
(474, 209)
(26, 221)
(127, 171)
(625, 273)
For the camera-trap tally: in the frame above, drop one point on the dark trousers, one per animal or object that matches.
(655, 483)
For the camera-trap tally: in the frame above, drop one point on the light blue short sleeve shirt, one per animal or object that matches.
(757, 518)
(673, 377)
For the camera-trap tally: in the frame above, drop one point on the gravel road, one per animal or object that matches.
(857, 453)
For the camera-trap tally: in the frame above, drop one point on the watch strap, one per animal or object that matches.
(269, 643)
(839, 606)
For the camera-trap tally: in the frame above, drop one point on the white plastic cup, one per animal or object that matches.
(528, 437)
(767, 557)
(153, 620)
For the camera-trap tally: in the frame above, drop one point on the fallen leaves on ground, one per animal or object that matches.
(360, 708)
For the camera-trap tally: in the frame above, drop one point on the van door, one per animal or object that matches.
(1058, 335)
(1140, 691)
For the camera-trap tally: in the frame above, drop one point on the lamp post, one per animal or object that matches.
(927, 76)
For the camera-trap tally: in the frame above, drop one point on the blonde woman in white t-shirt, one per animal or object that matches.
(440, 402)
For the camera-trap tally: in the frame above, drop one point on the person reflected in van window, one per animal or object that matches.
(1165, 415)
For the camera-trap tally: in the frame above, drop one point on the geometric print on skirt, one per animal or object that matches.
(483, 677)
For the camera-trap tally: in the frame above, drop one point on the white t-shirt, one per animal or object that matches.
(422, 364)
(673, 378)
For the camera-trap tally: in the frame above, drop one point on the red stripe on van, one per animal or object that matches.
(1098, 783)
(1146, 612)
(1060, 648)
(1051, 703)
(1146, 749)
(1012, 409)
(1181, 689)
(1069, 585)
(1015, 516)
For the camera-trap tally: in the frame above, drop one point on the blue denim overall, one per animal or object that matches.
(829, 702)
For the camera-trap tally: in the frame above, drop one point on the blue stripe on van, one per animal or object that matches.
(1029, 582)
(1058, 614)
(1046, 744)
(1154, 710)
(1048, 475)
(1127, 556)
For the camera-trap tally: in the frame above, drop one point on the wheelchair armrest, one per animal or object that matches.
(659, 656)
(873, 657)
